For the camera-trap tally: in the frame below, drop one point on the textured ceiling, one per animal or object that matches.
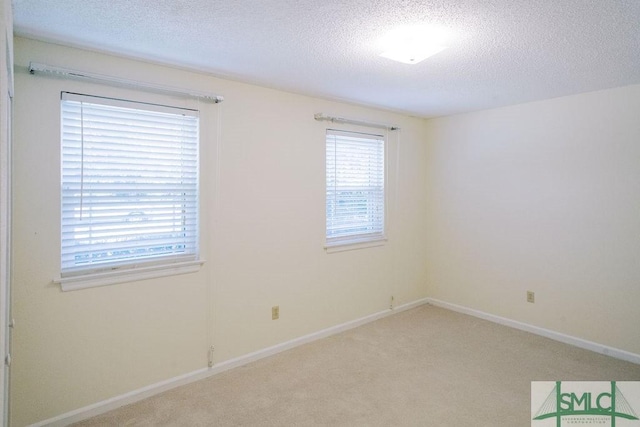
(501, 52)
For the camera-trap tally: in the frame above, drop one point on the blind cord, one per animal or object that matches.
(396, 199)
(212, 313)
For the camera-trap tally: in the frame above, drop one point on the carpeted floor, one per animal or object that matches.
(423, 367)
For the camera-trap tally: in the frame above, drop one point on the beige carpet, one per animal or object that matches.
(423, 367)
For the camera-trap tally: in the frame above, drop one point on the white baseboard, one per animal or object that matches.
(153, 389)
(98, 408)
(557, 336)
(269, 351)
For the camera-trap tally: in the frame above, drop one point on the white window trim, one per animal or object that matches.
(124, 275)
(135, 271)
(354, 244)
(362, 241)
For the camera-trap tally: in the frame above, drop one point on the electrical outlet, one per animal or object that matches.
(531, 296)
(275, 312)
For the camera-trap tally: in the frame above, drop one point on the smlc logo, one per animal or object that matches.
(585, 404)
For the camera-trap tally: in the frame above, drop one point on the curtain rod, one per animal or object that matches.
(35, 67)
(320, 116)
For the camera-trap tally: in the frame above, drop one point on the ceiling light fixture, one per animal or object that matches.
(413, 44)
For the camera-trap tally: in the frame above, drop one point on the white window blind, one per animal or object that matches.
(129, 184)
(355, 187)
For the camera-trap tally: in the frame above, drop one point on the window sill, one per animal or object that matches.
(124, 275)
(354, 244)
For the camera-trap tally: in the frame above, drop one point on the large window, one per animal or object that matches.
(129, 185)
(355, 187)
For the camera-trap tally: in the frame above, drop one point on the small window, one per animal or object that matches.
(129, 185)
(355, 165)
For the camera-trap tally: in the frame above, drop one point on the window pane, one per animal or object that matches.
(129, 184)
(355, 186)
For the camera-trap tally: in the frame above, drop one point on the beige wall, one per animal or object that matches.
(481, 207)
(543, 197)
(262, 218)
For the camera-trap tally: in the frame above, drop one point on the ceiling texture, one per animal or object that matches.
(500, 52)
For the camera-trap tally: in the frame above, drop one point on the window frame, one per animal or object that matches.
(133, 268)
(360, 240)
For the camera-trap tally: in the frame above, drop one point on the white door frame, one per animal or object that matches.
(6, 322)
(6, 117)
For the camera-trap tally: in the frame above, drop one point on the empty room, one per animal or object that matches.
(297, 213)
